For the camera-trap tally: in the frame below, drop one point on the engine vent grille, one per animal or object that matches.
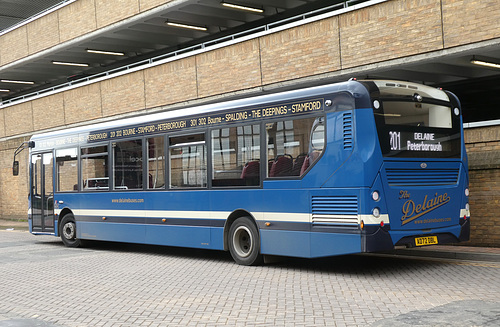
(421, 177)
(347, 130)
(335, 210)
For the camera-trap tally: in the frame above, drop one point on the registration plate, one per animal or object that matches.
(427, 240)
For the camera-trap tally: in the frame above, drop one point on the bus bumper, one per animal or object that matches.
(377, 239)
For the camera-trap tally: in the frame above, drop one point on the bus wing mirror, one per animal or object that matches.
(24, 145)
(15, 168)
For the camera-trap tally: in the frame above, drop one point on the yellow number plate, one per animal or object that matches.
(428, 240)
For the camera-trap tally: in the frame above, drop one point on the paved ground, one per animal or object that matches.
(45, 284)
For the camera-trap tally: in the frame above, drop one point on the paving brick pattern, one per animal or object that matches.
(132, 285)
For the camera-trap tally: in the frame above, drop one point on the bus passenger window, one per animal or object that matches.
(293, 146)
(67, 170)
(236, 156)
(95, 168)
(127, 169)
(188, 161)
(156, 163)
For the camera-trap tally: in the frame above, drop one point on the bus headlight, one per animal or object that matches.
(376, 212)
(467, 208)
(375, 196)
(466, 191)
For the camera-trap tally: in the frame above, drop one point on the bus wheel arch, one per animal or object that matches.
(63, 213)
(242, 239)
(67, 230)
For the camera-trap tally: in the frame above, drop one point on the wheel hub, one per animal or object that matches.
(69, 231)
(243, 241)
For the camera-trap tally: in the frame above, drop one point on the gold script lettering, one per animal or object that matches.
(412, 211)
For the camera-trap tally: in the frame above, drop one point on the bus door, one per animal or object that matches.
(42, 192)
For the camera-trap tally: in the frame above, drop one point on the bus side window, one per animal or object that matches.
(188, 161)
(236, 156)
(95, 168)
(156, 162)
(67, 170)
(293, 146)
(127, 165)
(316, 144)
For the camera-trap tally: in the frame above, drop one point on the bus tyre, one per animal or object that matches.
(244, 242)
(67, 230)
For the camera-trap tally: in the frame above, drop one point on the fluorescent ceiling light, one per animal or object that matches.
(69, 64)
(112, 53)
(4, 90)
(485, 63)
(240, 7)
(16, 82)
(191, 27)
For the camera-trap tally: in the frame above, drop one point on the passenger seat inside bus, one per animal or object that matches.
(309, 160)
(282, 166)
(251, 173)
(297, 164)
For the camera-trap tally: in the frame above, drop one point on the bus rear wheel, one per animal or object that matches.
(67, 230)
(244, 242)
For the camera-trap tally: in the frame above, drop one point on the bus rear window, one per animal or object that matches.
(416, 114)
(415, 121)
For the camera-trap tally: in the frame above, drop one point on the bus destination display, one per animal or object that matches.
(417, 141)
(251, 114)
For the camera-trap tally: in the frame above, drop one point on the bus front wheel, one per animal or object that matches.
(67, 230)
(244, 242)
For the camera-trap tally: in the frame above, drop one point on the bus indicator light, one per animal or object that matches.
(362, 225)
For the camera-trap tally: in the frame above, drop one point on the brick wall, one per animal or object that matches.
(392, 29)
(13, 190)
(162, 89)
(123, 94)
(229, 69)
(466, 21)
(485, 207)
(306, 50)
(483, 149)
(77, 19)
